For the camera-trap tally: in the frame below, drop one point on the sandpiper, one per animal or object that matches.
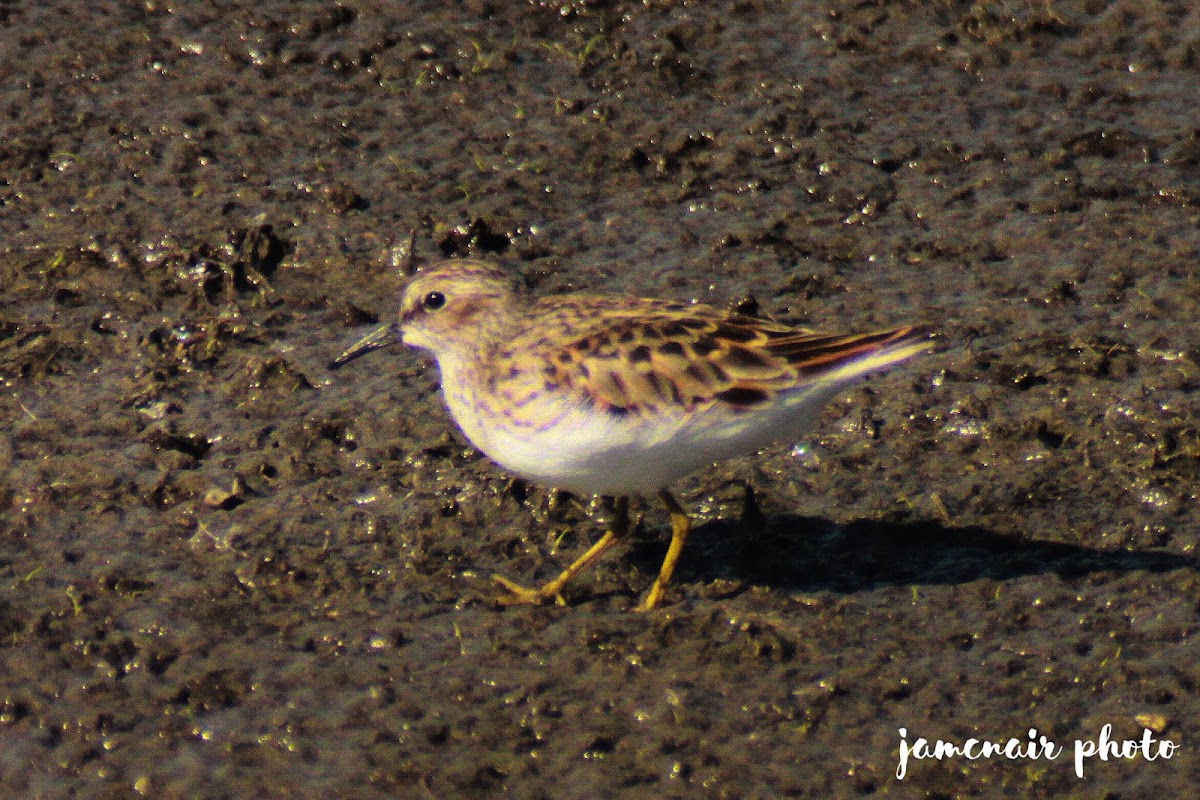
(616, 395)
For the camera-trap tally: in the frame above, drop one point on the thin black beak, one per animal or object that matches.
(384, 336)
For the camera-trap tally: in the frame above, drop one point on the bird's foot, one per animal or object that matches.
(519, 595)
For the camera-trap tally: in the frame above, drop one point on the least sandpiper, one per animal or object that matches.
(619, 396)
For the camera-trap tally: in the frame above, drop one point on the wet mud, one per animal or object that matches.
(226, 572)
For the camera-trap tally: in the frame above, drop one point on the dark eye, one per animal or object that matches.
(433, 301)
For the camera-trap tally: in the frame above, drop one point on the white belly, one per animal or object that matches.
(595, 452)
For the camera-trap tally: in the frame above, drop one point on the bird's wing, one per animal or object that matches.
(647, 355)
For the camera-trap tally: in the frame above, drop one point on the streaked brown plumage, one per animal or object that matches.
(617, 395)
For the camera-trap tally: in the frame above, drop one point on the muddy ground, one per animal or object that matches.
(226, 572)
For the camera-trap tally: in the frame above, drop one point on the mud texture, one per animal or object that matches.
(226, 572)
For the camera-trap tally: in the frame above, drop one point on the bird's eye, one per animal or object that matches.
(433, 301)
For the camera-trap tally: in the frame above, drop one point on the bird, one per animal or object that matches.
(619, 396)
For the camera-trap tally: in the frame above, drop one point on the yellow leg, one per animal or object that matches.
(521, 595)
(681, 526)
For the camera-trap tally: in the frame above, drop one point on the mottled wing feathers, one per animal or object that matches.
(812, 354)
(646, 355)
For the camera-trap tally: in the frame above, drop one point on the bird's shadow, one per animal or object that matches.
(807, 554)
